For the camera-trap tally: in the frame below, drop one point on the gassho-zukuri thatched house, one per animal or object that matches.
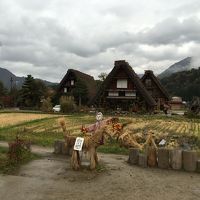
(79, 85)
(123, 89)
(155, 89)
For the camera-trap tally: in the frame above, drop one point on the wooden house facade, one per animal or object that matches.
(75, 82)
(155, 89)
(123, 89)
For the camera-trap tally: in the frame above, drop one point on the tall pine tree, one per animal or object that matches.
(32, 92)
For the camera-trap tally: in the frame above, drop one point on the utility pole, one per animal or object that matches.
(11, 83)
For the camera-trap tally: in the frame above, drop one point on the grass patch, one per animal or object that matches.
(101, 167)
(46, 130)
(113, 148)
(7, 167)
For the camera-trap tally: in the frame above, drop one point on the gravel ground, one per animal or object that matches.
(50, 178)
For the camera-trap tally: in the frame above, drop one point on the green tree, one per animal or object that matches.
(185, 84)
(3, 90)
(80, 92)
(32, 92)
(14, 94)
(67, 104)
(46, 105)
(102, 76)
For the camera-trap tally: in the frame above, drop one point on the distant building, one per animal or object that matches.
(155, 89)
(75, 81)
(176, 103)
(123, 89)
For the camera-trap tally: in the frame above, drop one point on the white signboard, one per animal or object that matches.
(99, 116)
(78, 144)
(162, 142)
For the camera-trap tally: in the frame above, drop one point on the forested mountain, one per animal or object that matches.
(6, 76)
(185, 84)
(183, 65)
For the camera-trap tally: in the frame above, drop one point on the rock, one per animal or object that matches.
(163, 158)
(142, 160)
(133, 156)
(58, 146)
(189, 160)
(176, 159)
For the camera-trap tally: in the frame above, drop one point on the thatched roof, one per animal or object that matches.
(123, 65)
(87, 79)
(150, 74)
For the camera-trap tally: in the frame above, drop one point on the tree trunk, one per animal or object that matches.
(79, 101)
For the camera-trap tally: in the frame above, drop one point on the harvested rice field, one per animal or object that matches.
(40, 129)
(7, 119)
(44, 129)
(177, 131)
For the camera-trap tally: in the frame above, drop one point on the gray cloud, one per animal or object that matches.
(46, 38)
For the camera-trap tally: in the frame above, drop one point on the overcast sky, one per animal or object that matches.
(46, 37)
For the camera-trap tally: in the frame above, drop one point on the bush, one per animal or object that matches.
(18, 150)
(67, 104)
(83, 109)
(46, 105)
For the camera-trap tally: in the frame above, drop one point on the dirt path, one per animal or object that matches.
(51, 178)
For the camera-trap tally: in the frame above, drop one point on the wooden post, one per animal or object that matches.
(163, 158)
(65, 149)
(58, 146)
(198, 166)
(176, 159)
(133, 156)
(142, 160)
(189, 160)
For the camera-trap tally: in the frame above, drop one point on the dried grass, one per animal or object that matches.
(7, 119)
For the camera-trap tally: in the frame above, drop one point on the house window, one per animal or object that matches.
(113, 94)
(122, 83)
(65, 90)
(148, 82)
(130, 94)
(72, 82)
(121, 93)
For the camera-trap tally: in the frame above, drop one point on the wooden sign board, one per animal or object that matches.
(78, 144)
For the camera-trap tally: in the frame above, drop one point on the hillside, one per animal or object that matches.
(185, 84)
(183, 65)
(5, 78)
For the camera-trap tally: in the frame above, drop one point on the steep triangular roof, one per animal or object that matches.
(149, 73)
(87, 79)
(123, 65)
